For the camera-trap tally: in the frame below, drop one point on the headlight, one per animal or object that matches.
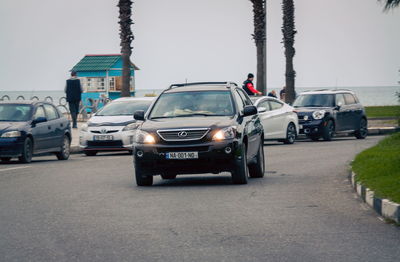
(84, 128)
(318, 114)
(225, 133)
(143, 137)
(11, 134)
(130, 127)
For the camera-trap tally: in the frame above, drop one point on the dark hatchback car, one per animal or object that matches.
(199, 128)
(323, 113)
(32, 127)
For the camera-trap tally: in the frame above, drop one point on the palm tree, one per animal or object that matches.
(289, 31)
(259, 36)
(126, 35)
(391, 3)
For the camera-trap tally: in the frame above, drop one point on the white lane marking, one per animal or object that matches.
(13, 168)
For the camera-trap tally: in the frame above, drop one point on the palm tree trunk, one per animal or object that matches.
(288, 31)
(259, 36)
(126, 35)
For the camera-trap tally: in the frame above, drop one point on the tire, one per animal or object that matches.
(142, 177)
(328, 131)
(65, 149)
(27, 151)
(362, 132)
(5, 159)
(291, 134)
(241, 171)
(168, 176)
(257, 169)
(90, 152)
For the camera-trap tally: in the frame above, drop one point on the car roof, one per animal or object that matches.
(328, 91)
(123, 99)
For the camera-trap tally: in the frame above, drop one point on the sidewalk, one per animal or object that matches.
(75, 139)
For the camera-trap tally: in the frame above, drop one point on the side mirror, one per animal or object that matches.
(249, 110)
(339, 105)
(139, 115)
(262, 110)
(38, 120)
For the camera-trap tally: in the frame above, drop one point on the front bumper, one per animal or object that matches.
(313, 127)
(11, 147)
(121, 140)
(213, 157)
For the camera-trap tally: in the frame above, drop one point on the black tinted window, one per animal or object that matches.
(315, 100)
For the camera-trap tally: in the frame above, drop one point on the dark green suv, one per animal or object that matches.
(199, 128)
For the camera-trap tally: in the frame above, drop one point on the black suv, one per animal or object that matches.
(325, 112)
(195, 128)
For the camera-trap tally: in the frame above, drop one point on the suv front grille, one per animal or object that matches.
(183, 134)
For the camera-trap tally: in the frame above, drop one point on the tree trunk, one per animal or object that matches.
(259, 36)
(126, 35)
(288, 31)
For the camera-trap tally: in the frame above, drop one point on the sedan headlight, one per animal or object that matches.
(84, 128)
(142, 137)
(225, 133)
(318, 114)
(130, 127)
(11, 134)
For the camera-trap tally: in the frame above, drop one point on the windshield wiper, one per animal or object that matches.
(195, 114)
(158, 117)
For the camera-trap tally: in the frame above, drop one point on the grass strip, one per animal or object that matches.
(378, 168)
(382, 111)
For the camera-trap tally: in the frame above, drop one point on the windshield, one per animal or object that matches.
(315, 100)
(124, 108)
(185, 104)
(15, 112)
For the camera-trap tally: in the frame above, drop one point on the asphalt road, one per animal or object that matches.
(89, 209)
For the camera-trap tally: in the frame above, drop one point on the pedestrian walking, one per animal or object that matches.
(73, 90)
(248, 86)
(272, 94)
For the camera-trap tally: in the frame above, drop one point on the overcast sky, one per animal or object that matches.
(341, 42)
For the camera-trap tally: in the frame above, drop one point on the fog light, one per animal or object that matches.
(228, 150)
(139, 153)
(316, 129)
(306, 131)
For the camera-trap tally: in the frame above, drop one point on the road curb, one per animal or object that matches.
(384, 207)
(376, 131)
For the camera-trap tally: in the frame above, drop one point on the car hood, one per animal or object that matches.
(6, 126)
(309, 110)
(187, 123)
(111, 120)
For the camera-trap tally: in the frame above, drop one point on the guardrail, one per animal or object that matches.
(86, 109)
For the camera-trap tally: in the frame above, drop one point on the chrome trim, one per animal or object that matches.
(180, 130)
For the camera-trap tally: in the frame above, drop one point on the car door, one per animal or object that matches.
(253, 126)
(39, 130)
(54, 135)
(265, 118)
(277, 119)
(352, 116)
(341, 112)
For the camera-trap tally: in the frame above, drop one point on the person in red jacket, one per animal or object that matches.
(248, 86)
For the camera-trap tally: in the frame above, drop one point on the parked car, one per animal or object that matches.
(113, 127)
(323, 113)
(32, 127)
(207, 127)
(279, 120)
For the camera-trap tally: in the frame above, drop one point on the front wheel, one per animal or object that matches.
(256, 170)
(65, 149)
(240, 172)
(362, 132)
(328, 130)
(291, 134)
(142, 177)
(27, 151)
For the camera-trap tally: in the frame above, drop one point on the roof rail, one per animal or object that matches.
(202, 83)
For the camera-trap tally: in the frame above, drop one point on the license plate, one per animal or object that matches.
(182, 155)
(103, 137)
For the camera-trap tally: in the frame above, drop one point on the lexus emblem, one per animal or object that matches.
(182, 134)
(103, 131)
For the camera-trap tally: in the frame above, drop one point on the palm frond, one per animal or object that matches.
(390, 3)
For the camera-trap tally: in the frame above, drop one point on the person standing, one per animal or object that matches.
(248, 86)
(272, 94)
(282, 93)
(73, 90)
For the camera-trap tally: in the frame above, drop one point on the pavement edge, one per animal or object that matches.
(384, 207)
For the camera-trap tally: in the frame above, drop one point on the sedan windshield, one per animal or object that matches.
(315, 100)
(124, 108)
(198, 103)
(15, 112)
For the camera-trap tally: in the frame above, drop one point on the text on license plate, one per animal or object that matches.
(182, 155)
(102, 137)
